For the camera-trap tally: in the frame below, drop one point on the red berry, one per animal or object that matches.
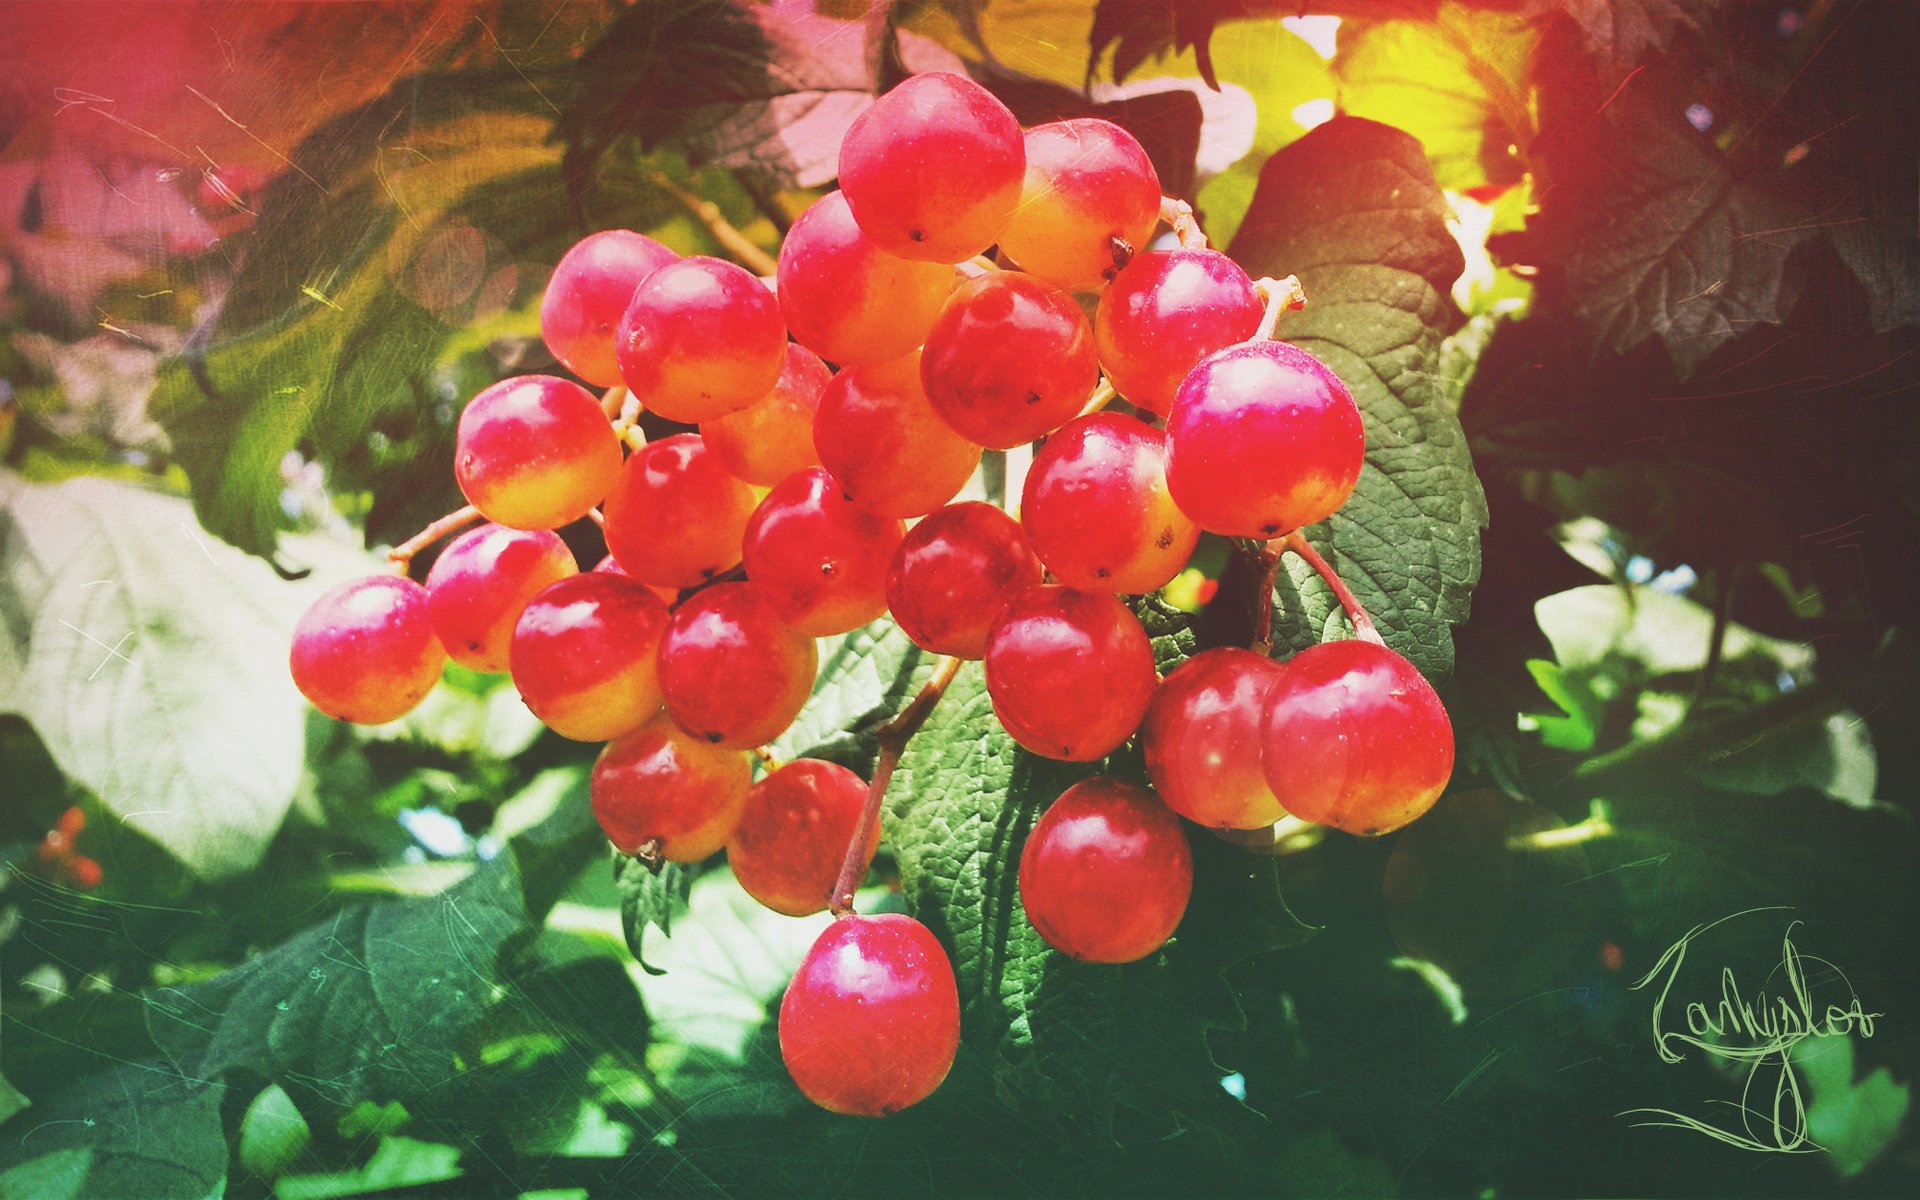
(933, 170)
(870, 1023)
(1354, 737)
(792, 838)
(1088, 183)
(1097, 510)
(701, 338)
(1070, 673)
(1106, 873)
(821, 559)
(773, 437)
(588, 294)
(676, 516)
(1262, 440)
(846, 299)
(483, 580)
(954, 572)
(535, 452)
(1202, 739)
(890, 452)
(1164, 312)
(733, 673)
(583, 655)
(365, 651)
(658, 784)
(1010, 359)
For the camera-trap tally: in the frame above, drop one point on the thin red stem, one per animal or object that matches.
(1268, 560)
(402, 555)
(1362, 623)
(893, 738)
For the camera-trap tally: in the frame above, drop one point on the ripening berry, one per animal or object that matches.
(583, 655)
(365, 651)
(701, 338)
(933, 170)
(1097, 510)
(1088, 185)
(954, 572)
(535, 452)
(772, 438)
(1356, 738)
(675, 517)
(890, 452)
(1262, 440)
(658, 784)
(792, 838)
(1010, 359)
(846, 299)
(1164, 312)
(1106, 873)
(732, 672)
(819, 557)
(481, 582)
(870, 1022)
(588, 294)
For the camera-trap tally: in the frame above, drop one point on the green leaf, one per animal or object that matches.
(1353, 210)
(1456, 82)
(648, 896)
(866, 677)
(400, 1162)
(151, 660)
(136, 1130)
(1853, 1122)
(1058, 1037)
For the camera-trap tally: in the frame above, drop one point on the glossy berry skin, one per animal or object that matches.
(891, 453)
(481, 582)
(933, 170)
(732, 672)
(588, 294)
(1262, 440)
(846, 299)
(1088, 183)
(1070, 673)
(954, 572)
(1164, 312)
(772, 438)
(660, 784)
(1202, 738)
(1354, 737)
(870, 1022)
(792, 837)
(676, 516)
(1106, 873)
(365, 651)
(820, 558)
(535, 452)
(701, 338)
(1097, 510)
(1010, 359)
(583, 655)
(611, 566)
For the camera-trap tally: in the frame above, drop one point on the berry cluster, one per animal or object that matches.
(784, 518)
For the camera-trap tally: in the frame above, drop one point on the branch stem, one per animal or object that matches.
(893, 738)
(738, 244)
(1362, 623)
(1267, 558)
(401, 556)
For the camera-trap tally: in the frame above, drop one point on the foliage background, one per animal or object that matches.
(1627, 289)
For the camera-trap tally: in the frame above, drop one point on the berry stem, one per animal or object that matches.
(768, 763)
(1267, 558)
(1102, 396)
(597, 517)
(401, 556)
(893, 738)
(1282, 296)
(976, 266)
(1362, 623)
(612, 400)
(743, 249)
(1178, 215)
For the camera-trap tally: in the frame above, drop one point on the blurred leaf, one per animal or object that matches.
(1061, 1039)
(272, 1134)
(1830, 752)
(1456, 82)
(1852, 1122)
(1353, 210)
(400, 1162)
(1664, 634)
(472, 713)
(151, 660)
(136, 1129)
(648, 897)
(1620, 33)
(11, 1101)
(1140, 29)
(1575, 731)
